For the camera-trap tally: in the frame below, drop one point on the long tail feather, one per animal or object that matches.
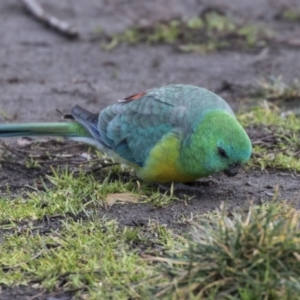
(63, 129)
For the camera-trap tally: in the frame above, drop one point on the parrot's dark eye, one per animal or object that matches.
(222, 152)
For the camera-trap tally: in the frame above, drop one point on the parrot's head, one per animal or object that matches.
(218, 143)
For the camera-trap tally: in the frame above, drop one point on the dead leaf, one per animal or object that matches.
(111, 199)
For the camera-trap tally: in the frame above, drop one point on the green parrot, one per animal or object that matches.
(175, 133)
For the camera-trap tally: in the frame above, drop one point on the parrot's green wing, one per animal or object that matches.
(132, 127)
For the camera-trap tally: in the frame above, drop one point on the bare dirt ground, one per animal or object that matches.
(42, 71)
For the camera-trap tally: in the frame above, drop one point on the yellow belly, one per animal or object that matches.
(162, 164)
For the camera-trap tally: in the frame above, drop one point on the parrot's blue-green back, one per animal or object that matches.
(174, 133)
(134, 126)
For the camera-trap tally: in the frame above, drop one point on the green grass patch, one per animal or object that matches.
(82, 251)
(70, 195)
(249, 256)
(237, 255)
(93, 257)
(275, 137)
(268, 115)
(212, 32)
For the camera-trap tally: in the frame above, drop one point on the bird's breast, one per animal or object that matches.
(163, 164)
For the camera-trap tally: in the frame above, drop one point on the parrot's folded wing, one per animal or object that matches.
(134, 126)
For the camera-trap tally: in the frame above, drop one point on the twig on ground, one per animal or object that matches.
(60, 26)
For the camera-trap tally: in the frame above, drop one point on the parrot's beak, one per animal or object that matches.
(232, 170)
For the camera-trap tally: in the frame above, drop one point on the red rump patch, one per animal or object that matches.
(134, 97)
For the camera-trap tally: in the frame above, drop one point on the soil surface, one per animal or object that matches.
(42, 71)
